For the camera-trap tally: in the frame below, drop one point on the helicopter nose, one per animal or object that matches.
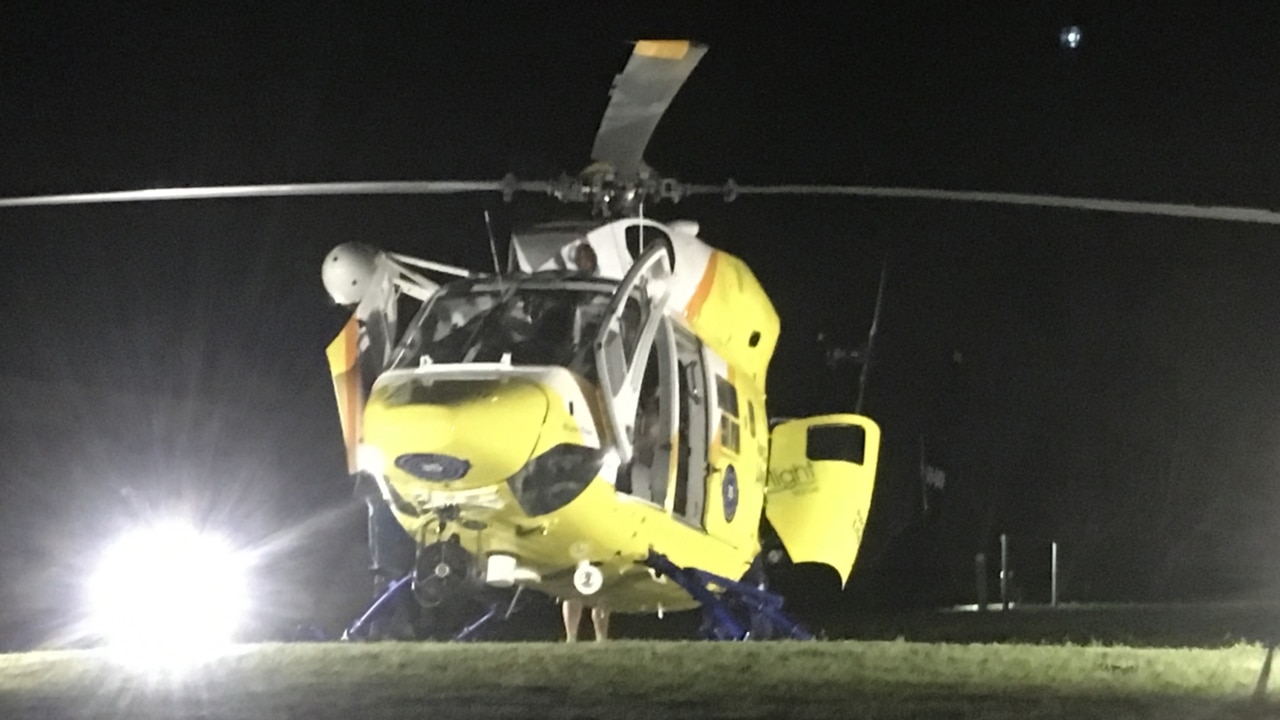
(463, 433)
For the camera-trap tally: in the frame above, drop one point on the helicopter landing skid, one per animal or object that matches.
(384, 606)
(495, 612)
(731, 610)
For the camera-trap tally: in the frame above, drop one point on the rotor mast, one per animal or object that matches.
(618, 181)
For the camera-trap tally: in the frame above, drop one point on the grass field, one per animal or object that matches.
(643, 679)
(1169, 661)
(1205, 625)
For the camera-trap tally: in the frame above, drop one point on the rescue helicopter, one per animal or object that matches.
(590, 422)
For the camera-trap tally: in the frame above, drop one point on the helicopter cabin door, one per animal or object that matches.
(636, 365)
(362, 350)
(822, 471)
(688, 502)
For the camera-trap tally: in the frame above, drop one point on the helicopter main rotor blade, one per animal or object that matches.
(1207, 212)
(640, 95)
(407, 187)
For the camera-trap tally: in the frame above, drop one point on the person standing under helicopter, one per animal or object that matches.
(571, 609)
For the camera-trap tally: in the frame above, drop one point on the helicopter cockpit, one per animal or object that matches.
(519, 320)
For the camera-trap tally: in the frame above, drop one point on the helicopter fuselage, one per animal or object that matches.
(508, 456)
(601, 402)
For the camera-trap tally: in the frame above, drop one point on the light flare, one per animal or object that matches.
(167, 596)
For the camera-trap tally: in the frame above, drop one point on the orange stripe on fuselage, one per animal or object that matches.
(700, 294)
(352, 348)
(344, 366)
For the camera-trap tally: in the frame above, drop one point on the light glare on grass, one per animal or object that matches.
(167, 596)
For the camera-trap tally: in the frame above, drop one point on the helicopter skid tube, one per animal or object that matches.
(385, 603)
(360, 628)
(725, 602)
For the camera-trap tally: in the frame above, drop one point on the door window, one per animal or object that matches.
(727, 399)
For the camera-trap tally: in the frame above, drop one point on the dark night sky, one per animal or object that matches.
(1107, 381)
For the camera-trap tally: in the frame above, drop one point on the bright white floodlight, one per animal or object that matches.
(167, 596)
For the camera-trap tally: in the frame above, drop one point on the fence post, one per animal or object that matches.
(1004, 571)
(1053, 575)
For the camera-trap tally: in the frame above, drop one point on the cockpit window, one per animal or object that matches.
(538, 324)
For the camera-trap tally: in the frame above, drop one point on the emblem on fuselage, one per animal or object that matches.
(729, 493)
(433, 466)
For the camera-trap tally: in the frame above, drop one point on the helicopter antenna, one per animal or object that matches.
(871, 336)
(493, 249)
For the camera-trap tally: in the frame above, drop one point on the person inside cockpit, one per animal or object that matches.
(585, 260)
(641, 477)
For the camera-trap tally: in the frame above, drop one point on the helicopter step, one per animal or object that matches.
(732, 610)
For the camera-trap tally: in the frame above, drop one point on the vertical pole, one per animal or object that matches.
(980, 579)
(924, 485)
(1053, 571)
(871, 336)
(1004, 571)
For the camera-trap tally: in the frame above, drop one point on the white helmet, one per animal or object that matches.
(348, 271)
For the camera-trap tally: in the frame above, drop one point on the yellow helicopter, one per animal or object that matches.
(591, 421)
(562, 426)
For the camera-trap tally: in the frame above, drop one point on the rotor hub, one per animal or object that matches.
(611, 194)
